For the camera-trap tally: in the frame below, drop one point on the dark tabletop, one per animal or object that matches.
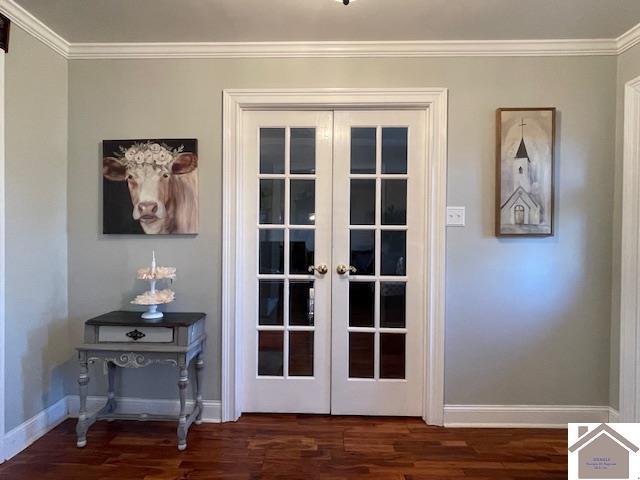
(172, 319)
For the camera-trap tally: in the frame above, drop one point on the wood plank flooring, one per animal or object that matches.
(292, 447)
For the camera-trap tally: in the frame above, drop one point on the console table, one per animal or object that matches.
(123, 340)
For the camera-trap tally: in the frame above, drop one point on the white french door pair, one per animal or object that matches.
(334, 269)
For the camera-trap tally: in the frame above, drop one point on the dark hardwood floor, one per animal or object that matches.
(294, 447)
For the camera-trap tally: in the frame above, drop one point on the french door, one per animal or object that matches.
(335, 269)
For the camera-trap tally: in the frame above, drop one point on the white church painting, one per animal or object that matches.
(525, 150)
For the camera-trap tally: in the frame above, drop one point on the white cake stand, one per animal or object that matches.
(152, 313)
(153, 297)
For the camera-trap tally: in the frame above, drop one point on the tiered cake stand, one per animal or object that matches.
(153, 297)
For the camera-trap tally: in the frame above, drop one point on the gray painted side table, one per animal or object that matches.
(123, 340)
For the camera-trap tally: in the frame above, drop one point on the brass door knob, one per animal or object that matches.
(342, 269)
(320, 269)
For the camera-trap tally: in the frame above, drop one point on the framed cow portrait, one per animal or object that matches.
(150, 186)
(525, 141)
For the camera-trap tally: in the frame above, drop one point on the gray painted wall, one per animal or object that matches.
(528, 320)
(37, 340)
(628, 69)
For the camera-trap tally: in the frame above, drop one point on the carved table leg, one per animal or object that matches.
(199, 404)
(111, 396)
(183, 383)
(83, 383)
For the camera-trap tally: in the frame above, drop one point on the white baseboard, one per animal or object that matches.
(210, 414)
(522, 416)
(28, 432)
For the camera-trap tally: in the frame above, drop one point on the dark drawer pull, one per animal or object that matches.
(135, 335)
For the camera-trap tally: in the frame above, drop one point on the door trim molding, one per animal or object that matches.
(235, 103)
(630, 258)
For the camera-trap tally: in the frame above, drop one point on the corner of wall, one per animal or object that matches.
(627, 68)
(37, 169)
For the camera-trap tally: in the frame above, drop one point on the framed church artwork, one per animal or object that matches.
(525, 143)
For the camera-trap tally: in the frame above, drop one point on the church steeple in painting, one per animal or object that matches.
(522, 149)
(522, 164)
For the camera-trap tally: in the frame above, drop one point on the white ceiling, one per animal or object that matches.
(324, 20)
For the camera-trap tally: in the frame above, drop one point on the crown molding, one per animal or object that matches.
(22, 18)
(464, 48)
(482, 48)
(628, 39)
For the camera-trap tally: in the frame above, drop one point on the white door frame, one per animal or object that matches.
(630, 258)
(235, 103)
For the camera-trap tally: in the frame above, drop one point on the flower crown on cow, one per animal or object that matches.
(149, 153)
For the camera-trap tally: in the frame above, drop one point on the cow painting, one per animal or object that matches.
(150, 186)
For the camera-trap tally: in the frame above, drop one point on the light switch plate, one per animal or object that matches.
(455, 216)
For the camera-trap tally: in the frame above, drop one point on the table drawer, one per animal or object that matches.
(110, 333)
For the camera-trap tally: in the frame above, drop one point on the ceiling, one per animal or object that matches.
(324, 20)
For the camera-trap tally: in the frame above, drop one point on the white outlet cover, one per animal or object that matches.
(455, 216)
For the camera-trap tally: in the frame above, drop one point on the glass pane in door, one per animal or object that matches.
(271, 201)
(301, 354)
(363, 202)
(392, 355)
(271, 302)
(394, 246)
(303, 150)
(363, 255)
(393, 300)
(272, 142)
(394, 202)
(362, 304)
(270, 353)
(363, 150)
(394, 150)
(301, 248)
(301, 303)
(271, 251)
(361, 354)
(303, 202)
